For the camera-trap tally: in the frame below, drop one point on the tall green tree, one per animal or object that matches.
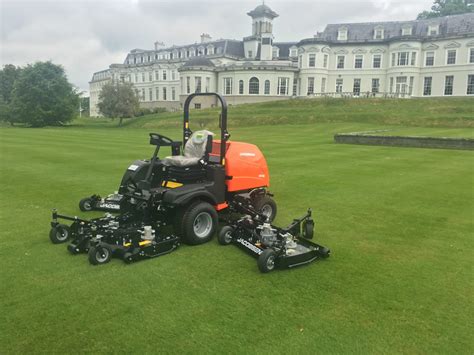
(8, 76)
(43, 96)
(118, 100)
(447, 7)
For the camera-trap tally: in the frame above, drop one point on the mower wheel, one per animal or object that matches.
(128, 258)
(99, 254)
(308, 229)
(266, 206)
(266, 260)
(85, 204)
(225, 235)
(324, 252)
(197, 223)
(59, 234)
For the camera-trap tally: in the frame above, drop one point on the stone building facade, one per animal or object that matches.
(421, 58)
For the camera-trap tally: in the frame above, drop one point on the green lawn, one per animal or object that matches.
(399, 222)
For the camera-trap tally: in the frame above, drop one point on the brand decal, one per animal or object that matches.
(247, 154)
(133, 167)
(250, 246)
(109, 205)
(261, 176)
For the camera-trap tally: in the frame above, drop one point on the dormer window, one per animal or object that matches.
(433, 30)
(342, 34)
(293, 52)
(406, 30)
(275, 52)
(378, 32)
(210, 50)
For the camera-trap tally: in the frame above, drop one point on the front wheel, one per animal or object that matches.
(266, 260)
(197, 223)
(86, 204)
(266, 206)
(225, 235)
(100, 254)
(59, 234)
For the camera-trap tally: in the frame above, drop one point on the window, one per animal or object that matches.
(143, 95)
(157, 93)
(283, 86)
(356, 88)
(188, 85)
(378, 33)
(432, 30)
(377, 61)
(164, 74)
(470, 85)
(254, 86)
(448, 85)
(393, 59)
(340, 61)
(208, 84)
(310, 86)
(406, 31)
(451, 57)
(197, 106)
(342, 34)
(312, 60)
(267, 87)
(471, 55)
(391, 84)
(413, 58)
(150, 94)
(293, 52)
(143, 77)
(402, 58)
(250, 54)
(429, 59)
(197, 84)
(150, 76)
(375, 86)
(157, 75)
(136, 78)
(325, 61)
(427, 85)
(173, 94)
(300, 61)
(173, 75)
(358, 61)
(339, 83)
(323, 85)
(241, 87)
(401, 85)
(295, 86)
(410, 87)
(275, 52)
(227, 86)
(164, 94)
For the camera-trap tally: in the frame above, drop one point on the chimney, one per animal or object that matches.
(205, 38)
(158, 45)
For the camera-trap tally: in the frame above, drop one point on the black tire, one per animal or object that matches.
(266, 260)
(224, 237)
(72, 249)
(59, 234)
(308, 229)
(86, 204)
(324, 252)
(99, 254)
(267, 206)
(196, 223)
(128, 258)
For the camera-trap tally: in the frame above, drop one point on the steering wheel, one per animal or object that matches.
(158, 139)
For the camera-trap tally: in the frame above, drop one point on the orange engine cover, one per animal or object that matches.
(246, 165)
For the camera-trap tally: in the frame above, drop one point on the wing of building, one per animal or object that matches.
(421, 58)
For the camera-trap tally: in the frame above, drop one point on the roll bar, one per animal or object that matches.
(223, 120)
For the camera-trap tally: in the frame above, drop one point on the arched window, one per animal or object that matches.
(254, 86)
(267, 87)
(241, 87)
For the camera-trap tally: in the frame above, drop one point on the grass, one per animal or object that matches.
(398, 220)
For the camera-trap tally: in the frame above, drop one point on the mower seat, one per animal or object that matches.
(196, 148)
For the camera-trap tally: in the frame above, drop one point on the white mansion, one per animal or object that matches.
(419, 58)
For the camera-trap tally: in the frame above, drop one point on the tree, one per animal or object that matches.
(447, 7)
(85, 106)
(43, 96)
(8, 76)
(118, 100)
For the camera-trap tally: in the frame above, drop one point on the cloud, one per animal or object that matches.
(87, 36)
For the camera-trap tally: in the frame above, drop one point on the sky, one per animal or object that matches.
(86, 36)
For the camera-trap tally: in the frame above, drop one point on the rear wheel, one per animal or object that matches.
(266, 260)
(59, 234)
(197, 223)
(225, 235)
(100, 254)
(85, 204)
(324, 252)
(266, 206)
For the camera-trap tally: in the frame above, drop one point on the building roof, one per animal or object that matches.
(284, 48)
(198, 62)
(262, 11)
(454, 25)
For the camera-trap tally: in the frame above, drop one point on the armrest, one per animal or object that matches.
(176, 148)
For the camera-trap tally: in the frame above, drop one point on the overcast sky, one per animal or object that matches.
(87, 36)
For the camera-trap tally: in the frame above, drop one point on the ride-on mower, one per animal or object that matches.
(274, 247)
(162, 202)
